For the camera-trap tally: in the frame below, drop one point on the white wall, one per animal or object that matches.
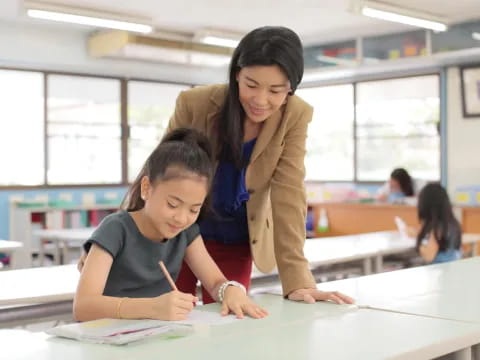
(463, 138)
(56, 48)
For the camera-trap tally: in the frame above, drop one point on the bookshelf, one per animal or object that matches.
(28, 216)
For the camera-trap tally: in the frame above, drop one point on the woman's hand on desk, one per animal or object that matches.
(312, 295)
(238, 303)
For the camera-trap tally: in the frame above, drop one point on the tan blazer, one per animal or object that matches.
(274, 177)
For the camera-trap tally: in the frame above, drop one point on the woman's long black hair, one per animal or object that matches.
(265, 46)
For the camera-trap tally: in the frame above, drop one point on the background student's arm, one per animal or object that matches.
(205, 269)
(429, 249)
(90, 303)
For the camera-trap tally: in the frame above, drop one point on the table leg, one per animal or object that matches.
(367, 266)
(13, 260)
(475, 249)
(378, 263)
(64, 252)
(57, 252)
(41, 252)
(464, 354)
(476, 352)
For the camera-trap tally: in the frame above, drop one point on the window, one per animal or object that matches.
(150, 106)
(21, 128)
(394, 46)
(397, 126)
(83, 130)
(330, 134)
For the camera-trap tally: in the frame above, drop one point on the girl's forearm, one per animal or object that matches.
(97, 307)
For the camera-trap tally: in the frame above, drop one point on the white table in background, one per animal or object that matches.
(292, 331)
(38, 285)
(62, 239)
(33, 292)
(367, 247)
(10, 247)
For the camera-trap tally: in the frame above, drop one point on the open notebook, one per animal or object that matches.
(119, 332)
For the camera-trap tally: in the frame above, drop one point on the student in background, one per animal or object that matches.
(440, 234)
(258, 128)
(121, 277)
(399, 186)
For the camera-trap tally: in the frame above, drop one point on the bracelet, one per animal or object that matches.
(223, 287)
(118, 307)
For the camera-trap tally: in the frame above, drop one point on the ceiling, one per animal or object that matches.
(319, 21)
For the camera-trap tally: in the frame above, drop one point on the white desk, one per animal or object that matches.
(62, 238)
(374, 246)
(362, 247)
(11, 247)
(38, 285)
(29, 295)
(448, 291)
(443, 291)
(292, 331)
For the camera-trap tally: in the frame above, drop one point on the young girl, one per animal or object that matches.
(121, 277)
(439, 238)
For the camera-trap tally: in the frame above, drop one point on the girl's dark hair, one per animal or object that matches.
(404, 179)
(180, 152)
(436, 215)
(265, 46)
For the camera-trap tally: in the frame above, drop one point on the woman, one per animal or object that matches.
(258, 128)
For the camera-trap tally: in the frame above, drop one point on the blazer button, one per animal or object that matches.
(252, 218)
(254, 242)
(251, 191)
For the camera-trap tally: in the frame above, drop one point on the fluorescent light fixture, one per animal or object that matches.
(476, 36)
(84, 17)
(219, 41)
(217, 37)
(400, 15)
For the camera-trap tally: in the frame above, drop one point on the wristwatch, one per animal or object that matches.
(223, 287)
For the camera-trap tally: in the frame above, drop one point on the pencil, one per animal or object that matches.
(167, 275)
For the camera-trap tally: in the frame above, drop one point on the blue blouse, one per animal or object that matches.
(228, 224)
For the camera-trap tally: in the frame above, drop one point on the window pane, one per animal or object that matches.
(379, 156)
(330, 134)
(397, 126)
(84, 145)
(21, 128)
(150, 106)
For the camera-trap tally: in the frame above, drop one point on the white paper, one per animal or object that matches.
(196, 317)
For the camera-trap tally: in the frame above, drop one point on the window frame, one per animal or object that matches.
(124, 126)
(355, 127)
